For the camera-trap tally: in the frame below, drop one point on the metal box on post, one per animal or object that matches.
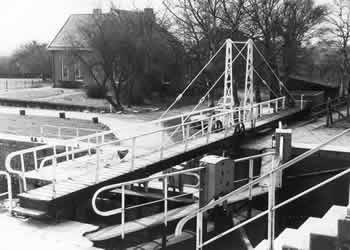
(218, 177)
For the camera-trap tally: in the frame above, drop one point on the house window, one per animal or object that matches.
(65, 72)
(77, 72)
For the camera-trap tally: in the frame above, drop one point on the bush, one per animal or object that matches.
(69, 85)
(95, 91)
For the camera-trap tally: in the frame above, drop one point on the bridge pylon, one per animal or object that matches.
(249, 79)
(228, 84)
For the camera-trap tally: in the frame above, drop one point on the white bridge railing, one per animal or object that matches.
(164, 178)
(272, 206)
(65, 132)
(212, 125)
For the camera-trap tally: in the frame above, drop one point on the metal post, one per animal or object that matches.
(35, 160)
(284, 102)
(97, 163)
(164, 233)
(165, 190)
(187, 136)
(276, 105)
(210, 124)
(54, 172)
(66, 150)
(199, 231)
(251, 168)
(123, 212)
(59, 132)
(271, 212)
(41, 132)
(89, 147)
(77, 132)
(23, 174)
(162, 145)
(302, 102)
(133, 152)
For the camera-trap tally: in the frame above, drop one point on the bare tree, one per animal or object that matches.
(297, 22)
(204, 25)
(340, 30)
(124, 46)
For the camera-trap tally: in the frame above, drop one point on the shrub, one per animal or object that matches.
(69, 85)
(95, 91)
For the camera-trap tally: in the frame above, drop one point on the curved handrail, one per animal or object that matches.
(123, 184)
(284, 166)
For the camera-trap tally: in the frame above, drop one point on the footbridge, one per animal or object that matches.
(54, 175)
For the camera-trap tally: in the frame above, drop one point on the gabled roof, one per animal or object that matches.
(70, 35)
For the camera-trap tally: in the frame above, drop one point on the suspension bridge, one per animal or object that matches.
(54, 175)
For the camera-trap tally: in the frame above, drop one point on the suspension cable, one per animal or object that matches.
(193, 80)
(208, 92)
(256, 72)
(273, 72)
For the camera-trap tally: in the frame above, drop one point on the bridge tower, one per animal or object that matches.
(228, 87)
(249, 78)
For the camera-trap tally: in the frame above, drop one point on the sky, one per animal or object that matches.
(26, 20)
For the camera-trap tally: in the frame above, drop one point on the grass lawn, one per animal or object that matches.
(32, 93)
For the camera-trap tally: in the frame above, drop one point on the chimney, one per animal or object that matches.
(97, 11)
(149, 14)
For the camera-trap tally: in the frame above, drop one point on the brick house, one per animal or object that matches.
(67, 68)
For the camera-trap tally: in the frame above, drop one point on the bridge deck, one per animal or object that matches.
(78, 175)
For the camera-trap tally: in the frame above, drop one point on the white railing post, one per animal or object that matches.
(284, 102)
(162, 145)
(89, 146)
(251, 168)
(66, 151)
(98, 156)
(41, 132)
(59, 132)
(210, 124)
(276, 105)
(302, 102)
(187, 136)
(54, 165)
(35, 157)
(271, 211)
(77, 132)
(123, 212)
(199, 231)
(133, 152)
(165, 189)
(23, 174)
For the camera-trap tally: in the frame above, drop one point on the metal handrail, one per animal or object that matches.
(164, 177)
(76, 130)
(225, 115)
(9, 189)
(272, 206)
(123, 208)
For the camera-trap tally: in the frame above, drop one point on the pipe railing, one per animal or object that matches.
(164, 178)
(66, 132)
(179, 142)
(9, 190)
(271, 199)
